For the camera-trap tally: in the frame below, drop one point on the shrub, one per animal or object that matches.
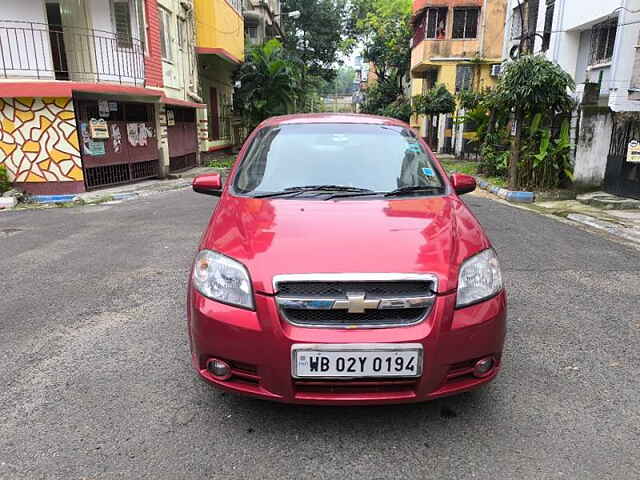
(5, 184)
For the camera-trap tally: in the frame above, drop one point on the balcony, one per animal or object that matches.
(220, 29)
(30, 50)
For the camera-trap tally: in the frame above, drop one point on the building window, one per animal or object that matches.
(548, 25)
(436, 23)
(252, 31)
(603, 39)
(182, 33)
(465, 22)
(122, 22)
(464, 77)
(165, 34)
(430, 78)
(236, 4)
(519, 21)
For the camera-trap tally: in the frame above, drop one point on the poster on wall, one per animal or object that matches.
(171, 119)
(113, 106)
(132, 134)
(103, 109)
(89, 147)
(633, 152)
(116, 137)
(98, 129)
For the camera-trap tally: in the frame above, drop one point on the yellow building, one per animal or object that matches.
(457, 43)
(220, 49)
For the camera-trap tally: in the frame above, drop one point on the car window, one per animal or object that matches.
(374, 157)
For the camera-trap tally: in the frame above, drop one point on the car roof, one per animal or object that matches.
(317, 118)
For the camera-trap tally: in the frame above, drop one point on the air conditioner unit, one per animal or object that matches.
(496, 70)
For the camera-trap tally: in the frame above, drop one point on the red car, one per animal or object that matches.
(341, 267)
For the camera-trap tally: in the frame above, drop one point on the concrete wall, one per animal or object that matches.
(593, 146)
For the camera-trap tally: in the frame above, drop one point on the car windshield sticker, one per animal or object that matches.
(428, 172)
(414, 148)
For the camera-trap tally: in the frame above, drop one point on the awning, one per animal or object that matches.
(181, 103)
(67, 89)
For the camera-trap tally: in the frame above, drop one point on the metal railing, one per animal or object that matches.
(40, 51)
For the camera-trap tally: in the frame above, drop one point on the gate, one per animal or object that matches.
(183, 139)
(131, 151)
(623, 177)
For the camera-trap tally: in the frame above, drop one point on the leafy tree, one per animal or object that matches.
(434, 102)
(270, 84)
(530, 85)
(342, 84)
(383, 27)
(316, 36)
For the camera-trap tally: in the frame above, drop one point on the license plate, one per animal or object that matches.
(356, 360)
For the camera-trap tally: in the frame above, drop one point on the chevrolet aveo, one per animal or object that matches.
(341, 267)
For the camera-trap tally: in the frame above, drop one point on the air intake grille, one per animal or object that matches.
(340, 289)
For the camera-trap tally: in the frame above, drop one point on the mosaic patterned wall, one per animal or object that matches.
(38, 140)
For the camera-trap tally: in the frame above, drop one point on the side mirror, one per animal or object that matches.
(209, 184)
(463, 183)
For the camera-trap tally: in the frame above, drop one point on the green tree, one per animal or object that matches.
(316, 36)
(530, 85)
(383, 27)
(269, 84)
(342, 84)
(434, 102)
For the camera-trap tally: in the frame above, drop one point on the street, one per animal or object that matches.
(97, 382)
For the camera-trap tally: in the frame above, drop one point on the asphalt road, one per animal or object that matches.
(96, 381)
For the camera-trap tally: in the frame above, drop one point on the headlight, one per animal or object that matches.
(222, 278)
(479, 278)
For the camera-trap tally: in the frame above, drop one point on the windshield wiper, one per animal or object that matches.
(313, 188)
(412, 189)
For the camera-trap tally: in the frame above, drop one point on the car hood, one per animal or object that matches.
(283, 236)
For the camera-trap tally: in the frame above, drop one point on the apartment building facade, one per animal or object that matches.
(595, 42)
(457, 43)
(262, 20)
(96, 92)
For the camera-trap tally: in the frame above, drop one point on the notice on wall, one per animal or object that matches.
(98, 129)
(132, 134)
(103, 109)
(116, 137)
(113, 106)
(89, 147)
(171, 119)
(633, 151)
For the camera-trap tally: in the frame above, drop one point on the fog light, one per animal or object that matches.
(219, 369)
(483, 367)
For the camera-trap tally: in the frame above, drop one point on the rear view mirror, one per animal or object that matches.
(209, 184)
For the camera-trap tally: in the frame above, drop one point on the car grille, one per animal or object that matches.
(332, 289)
(328, 303)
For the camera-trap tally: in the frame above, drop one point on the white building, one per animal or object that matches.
(595, 42)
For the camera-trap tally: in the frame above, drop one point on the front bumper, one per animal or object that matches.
(258, 344)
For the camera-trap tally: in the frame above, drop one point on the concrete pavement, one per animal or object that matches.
(97, 383)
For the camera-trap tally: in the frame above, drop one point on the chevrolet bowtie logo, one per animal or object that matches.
(356, 303)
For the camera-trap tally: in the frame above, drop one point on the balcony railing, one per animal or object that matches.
(44, 52)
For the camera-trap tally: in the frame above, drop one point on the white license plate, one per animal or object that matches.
(356, 360)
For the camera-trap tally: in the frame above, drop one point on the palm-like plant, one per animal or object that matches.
(269, 84)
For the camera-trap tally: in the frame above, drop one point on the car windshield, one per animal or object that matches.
(329, 158)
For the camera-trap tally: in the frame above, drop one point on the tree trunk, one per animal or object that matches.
(515, 152)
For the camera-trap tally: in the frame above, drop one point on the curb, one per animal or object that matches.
(508, 195)
(53, 198)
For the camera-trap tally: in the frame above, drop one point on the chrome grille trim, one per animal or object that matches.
(356, 277)
(356, 303)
